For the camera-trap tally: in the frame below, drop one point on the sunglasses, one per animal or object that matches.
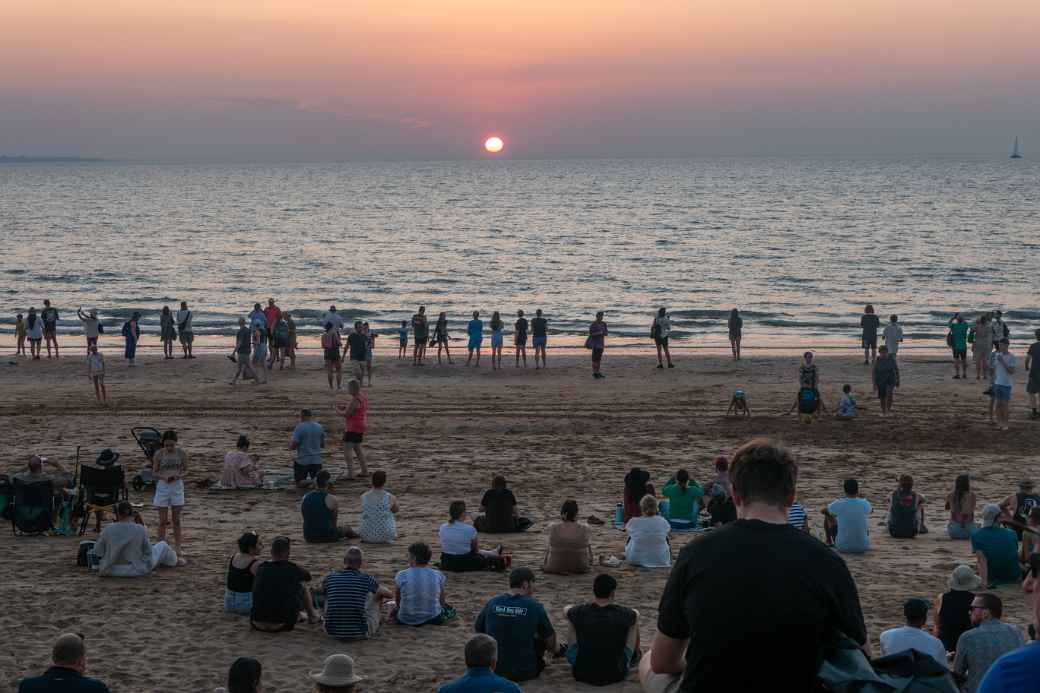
(972, 607)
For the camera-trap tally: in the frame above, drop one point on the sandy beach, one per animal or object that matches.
(441, 433)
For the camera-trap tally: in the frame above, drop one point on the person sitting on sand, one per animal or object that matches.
(352, 600)
(123, 549)
(647, 543)
(1016, 507)
(906, 510)
(637, 485)
(961, 504)
(378, 513)
(684, 497)
(569, 550)
(885, 378)
(721, 509)
(460, 551)
(950, 614)
(499, 507)
(847, 404)
(280, 599)
(320, 511)
(68, 673)
(243, 677)
(241, 569)
(980, 647)
(603, 636)
(520, 625)
(996, 549)
(336, 676)
(913, 635)
(846, 521)
(1030, 547)
(797, 517)
(419, 591)
(480, 676)
(242, 468)
(721, 480)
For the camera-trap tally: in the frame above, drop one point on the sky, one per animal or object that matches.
(321, 80)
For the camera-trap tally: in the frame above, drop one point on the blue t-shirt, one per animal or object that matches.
(475, 329)
(346, 595)
(480, 680)
(514, 621)
(1015, 672)
(853, 531)
(309, 435)
(402, 334)
(1000, 547)
(62, 680)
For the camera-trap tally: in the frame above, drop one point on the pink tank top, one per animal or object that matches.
(356, 421)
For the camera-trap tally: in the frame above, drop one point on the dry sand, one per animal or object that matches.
(441, 433)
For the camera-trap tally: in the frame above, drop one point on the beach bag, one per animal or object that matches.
(902, 522)
(127, 330)
(82, 555)
(182, 325)
(808, 401)
(588, 342)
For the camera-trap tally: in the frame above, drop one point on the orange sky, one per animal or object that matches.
(423, 78)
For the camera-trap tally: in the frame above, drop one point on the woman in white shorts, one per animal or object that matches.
(170, 464)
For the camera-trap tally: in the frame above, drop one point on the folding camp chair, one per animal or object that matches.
(33, 511)
(99, 491)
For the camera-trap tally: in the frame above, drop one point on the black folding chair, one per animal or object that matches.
(33, 511)
(99, 491)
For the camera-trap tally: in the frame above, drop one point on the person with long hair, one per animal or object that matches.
(496, 341)
(330, 345)
(34, 327)
(440, 333)
(241, 573)
(961, 504)
(684, 497)
(736, 331)
(170, 466)
(243, 676)
(661, 328)
(460, 551)
(421, 334)
(520, 338)
(167, 331)
(569, 550)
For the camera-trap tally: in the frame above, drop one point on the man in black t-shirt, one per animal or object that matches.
(279, 594)
(754, 602)
(539, 336)
(604, 636)
(357, 347)
(499, 508)
(1033, 378)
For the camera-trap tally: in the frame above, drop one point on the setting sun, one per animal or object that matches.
(494, 144)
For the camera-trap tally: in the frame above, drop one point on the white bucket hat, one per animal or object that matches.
(338, 670)
(964, 578)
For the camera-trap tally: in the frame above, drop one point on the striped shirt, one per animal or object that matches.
(346, 592)
(796, 516)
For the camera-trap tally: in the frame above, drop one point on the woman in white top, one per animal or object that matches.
(647, 543)
(34, 328)
(378, 508)
(459, 550)
(662, 327)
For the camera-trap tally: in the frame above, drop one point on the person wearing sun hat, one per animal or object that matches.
(996, 549)
(336, 675)
(950, 611)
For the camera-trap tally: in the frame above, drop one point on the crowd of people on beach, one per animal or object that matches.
(748, 509)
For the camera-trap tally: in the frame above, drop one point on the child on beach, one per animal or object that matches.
(847, 405)
(290, 350)
(19, 335)
(96, 373)
(402, 335)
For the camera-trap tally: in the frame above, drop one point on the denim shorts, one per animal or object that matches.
(1002, 392)
(238, 602)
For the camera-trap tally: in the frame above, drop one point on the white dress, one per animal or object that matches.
(378, 525)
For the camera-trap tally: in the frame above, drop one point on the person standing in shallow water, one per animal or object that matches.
(959, 345)
(475, 330)
(131, 333)
(539, 336)
(661, 328)
(597, 342)
(736, 331)
(497, 339)
(870, 323)
(441, 336)
(520, 338)
(167, 332)
(50, 326)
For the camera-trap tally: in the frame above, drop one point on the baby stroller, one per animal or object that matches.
(149, 440)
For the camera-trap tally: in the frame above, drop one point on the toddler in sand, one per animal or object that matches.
(847, 405)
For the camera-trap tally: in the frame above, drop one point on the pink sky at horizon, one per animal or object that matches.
(316, 79)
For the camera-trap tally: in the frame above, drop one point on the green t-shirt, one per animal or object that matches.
(960, 334)
(1000, 547)
(681, 501)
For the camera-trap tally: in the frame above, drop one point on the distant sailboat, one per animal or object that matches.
(1014, 152)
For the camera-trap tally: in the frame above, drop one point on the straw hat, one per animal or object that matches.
(338, 670)
(964, 578)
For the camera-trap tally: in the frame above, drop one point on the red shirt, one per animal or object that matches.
(355, 421)
(272, 313)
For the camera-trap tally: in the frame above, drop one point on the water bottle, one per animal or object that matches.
(619, 514)
(662, 508)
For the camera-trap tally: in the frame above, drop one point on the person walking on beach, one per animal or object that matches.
(893, 335)
(497, 339)
(271, 314)
(1003, 367)
(659, 330)
(421, 334)
(167, 332)
(370, 337)
(402, 341)
(290, 348)
(475, 330)
(355, 420)
(357, 348)
(260, 352)
(440, 334)
(597, 342)
(279, 342)
(1033, 382)
(96, 373)
(959, 345)
(982, 346)
(886, 378)
(519, 339)
(170, 466)
(870, 323)
(50, 326)
(184, 330)
(91, 326)
(330, 344)
(257, 317)
(998, 327)
(34, 327)
(19, 335)
(539, 336)
(243, 346)
(131, 333)
(736, 332)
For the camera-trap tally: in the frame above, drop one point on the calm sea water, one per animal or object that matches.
(799, 245)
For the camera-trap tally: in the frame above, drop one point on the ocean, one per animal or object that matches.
(799, 245)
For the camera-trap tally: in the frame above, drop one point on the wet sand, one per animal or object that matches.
(441, 433)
